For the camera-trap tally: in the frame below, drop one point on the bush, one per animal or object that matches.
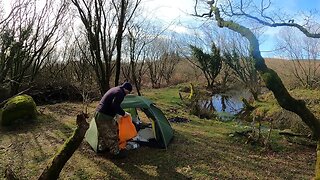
(18, 109)
(184, 89)
(198, 105)
(201, 112)
(4, 93)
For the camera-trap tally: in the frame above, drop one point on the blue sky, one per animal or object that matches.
(296, 8)
(177, 11)
(297, 5)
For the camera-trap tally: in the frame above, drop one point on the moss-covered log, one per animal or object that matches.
(56, 164)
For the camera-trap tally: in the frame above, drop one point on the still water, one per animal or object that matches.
(228, 104)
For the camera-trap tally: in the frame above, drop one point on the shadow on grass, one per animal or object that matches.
(149, 163)
(28, 146)
(142, 163)
(199, 155)
(152, 163)
(223, 158)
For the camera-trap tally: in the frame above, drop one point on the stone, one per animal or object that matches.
(20, 108)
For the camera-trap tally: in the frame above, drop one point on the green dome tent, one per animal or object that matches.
(161, 127)
(157, 133)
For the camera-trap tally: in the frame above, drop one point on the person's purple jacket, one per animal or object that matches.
(111, 100)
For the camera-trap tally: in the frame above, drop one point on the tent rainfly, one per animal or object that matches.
(158, 133)
(160, 126)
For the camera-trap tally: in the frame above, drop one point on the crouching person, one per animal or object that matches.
(108, 107)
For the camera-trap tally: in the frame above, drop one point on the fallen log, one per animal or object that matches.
(301, 139)
(55, 166)
(292, 134)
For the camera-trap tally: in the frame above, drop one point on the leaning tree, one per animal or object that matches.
(227, 15)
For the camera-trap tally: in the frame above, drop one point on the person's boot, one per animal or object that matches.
(102, 148)
(123, 153)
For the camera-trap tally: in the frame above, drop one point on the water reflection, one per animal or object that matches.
(227, 105)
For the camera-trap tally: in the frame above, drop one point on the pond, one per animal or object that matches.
(228, 104)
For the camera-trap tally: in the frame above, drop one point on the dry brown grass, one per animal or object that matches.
(185, 72)
(285, 69)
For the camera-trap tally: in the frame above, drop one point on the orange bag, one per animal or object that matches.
(127, 131)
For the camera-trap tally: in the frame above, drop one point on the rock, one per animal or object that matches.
(20, 107)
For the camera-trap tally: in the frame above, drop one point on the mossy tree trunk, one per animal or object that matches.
(55, 166)
(273, 81)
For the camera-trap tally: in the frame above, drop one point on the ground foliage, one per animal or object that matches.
(201, 149)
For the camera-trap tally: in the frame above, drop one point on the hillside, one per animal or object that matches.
(290, 71)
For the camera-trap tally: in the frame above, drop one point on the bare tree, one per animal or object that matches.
(100, 18)
(82, 70)
(170, 60)
(153, 56)
(303, 53)
(161, 57)
(141, 34)
(56, 68)
(137, 39)
(126, 11)
(28, 36)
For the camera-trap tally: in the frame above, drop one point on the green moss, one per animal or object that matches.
(18, 108)
(270, 78)
(274, 83)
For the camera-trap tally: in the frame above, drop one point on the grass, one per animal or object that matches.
(201, 149)
(165, 97)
